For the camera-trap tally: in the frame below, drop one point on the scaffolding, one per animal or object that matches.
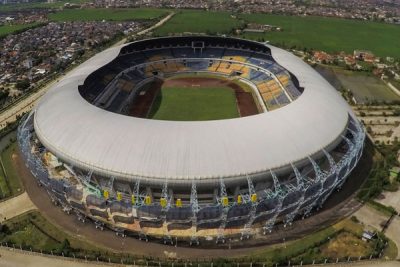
(194, 240)
(301, 205)
(224, 202)
(252, 197)
(278, 194)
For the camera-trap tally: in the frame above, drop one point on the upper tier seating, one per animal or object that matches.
(262, 70)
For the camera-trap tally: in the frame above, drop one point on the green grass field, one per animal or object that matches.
(32, 230)
(4, 188)
(39, 5)
(194, 104)
(364, 86)
(366, 89)
(329, 34)
(13, 185)
(107, 14)
(8, 29)
(195, 21)
(323, 245)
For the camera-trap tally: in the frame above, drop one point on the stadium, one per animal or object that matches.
(191, 137)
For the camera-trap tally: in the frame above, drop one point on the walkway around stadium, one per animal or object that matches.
(15, 258)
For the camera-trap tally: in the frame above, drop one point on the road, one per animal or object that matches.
(15, 206)
(393, 232)
(25, 105)
(368, 264)
(371, 217)
(16, 258)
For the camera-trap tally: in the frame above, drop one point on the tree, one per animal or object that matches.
(4, 229)
(22, 84)
(64, 248)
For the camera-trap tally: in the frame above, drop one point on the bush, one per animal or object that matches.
(354, 219)
(389, 210)
(22, 85)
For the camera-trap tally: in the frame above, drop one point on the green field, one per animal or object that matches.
(32, 231)
(39, 5)
(8, 29)
(12, 185)
(364, 87)
(329, 34)
(195, 21)
(107, 14)
(194, 104)
(4, 188)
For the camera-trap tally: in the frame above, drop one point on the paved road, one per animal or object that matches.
(393, 232)
(371, 217)
(158, 24)
(391, 199)
(368, 264)
(15, 258)
(15, 206)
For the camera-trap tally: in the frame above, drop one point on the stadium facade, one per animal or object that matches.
(191, 179)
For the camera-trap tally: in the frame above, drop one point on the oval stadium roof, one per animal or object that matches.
(118, 145)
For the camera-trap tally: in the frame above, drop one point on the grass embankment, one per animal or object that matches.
(10, 184)
(33, 231)
(194, 104)
(389, 211)
(98, 14)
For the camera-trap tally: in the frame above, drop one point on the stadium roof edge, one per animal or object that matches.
(89, 137)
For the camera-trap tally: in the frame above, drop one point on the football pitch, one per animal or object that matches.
(194, 104)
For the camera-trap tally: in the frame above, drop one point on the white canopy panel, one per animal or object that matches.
(118, 145)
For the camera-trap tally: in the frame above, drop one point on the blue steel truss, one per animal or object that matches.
(337, 174)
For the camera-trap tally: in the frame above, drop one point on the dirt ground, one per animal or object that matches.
(344, 245)
(370, 217)
(143, 102)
